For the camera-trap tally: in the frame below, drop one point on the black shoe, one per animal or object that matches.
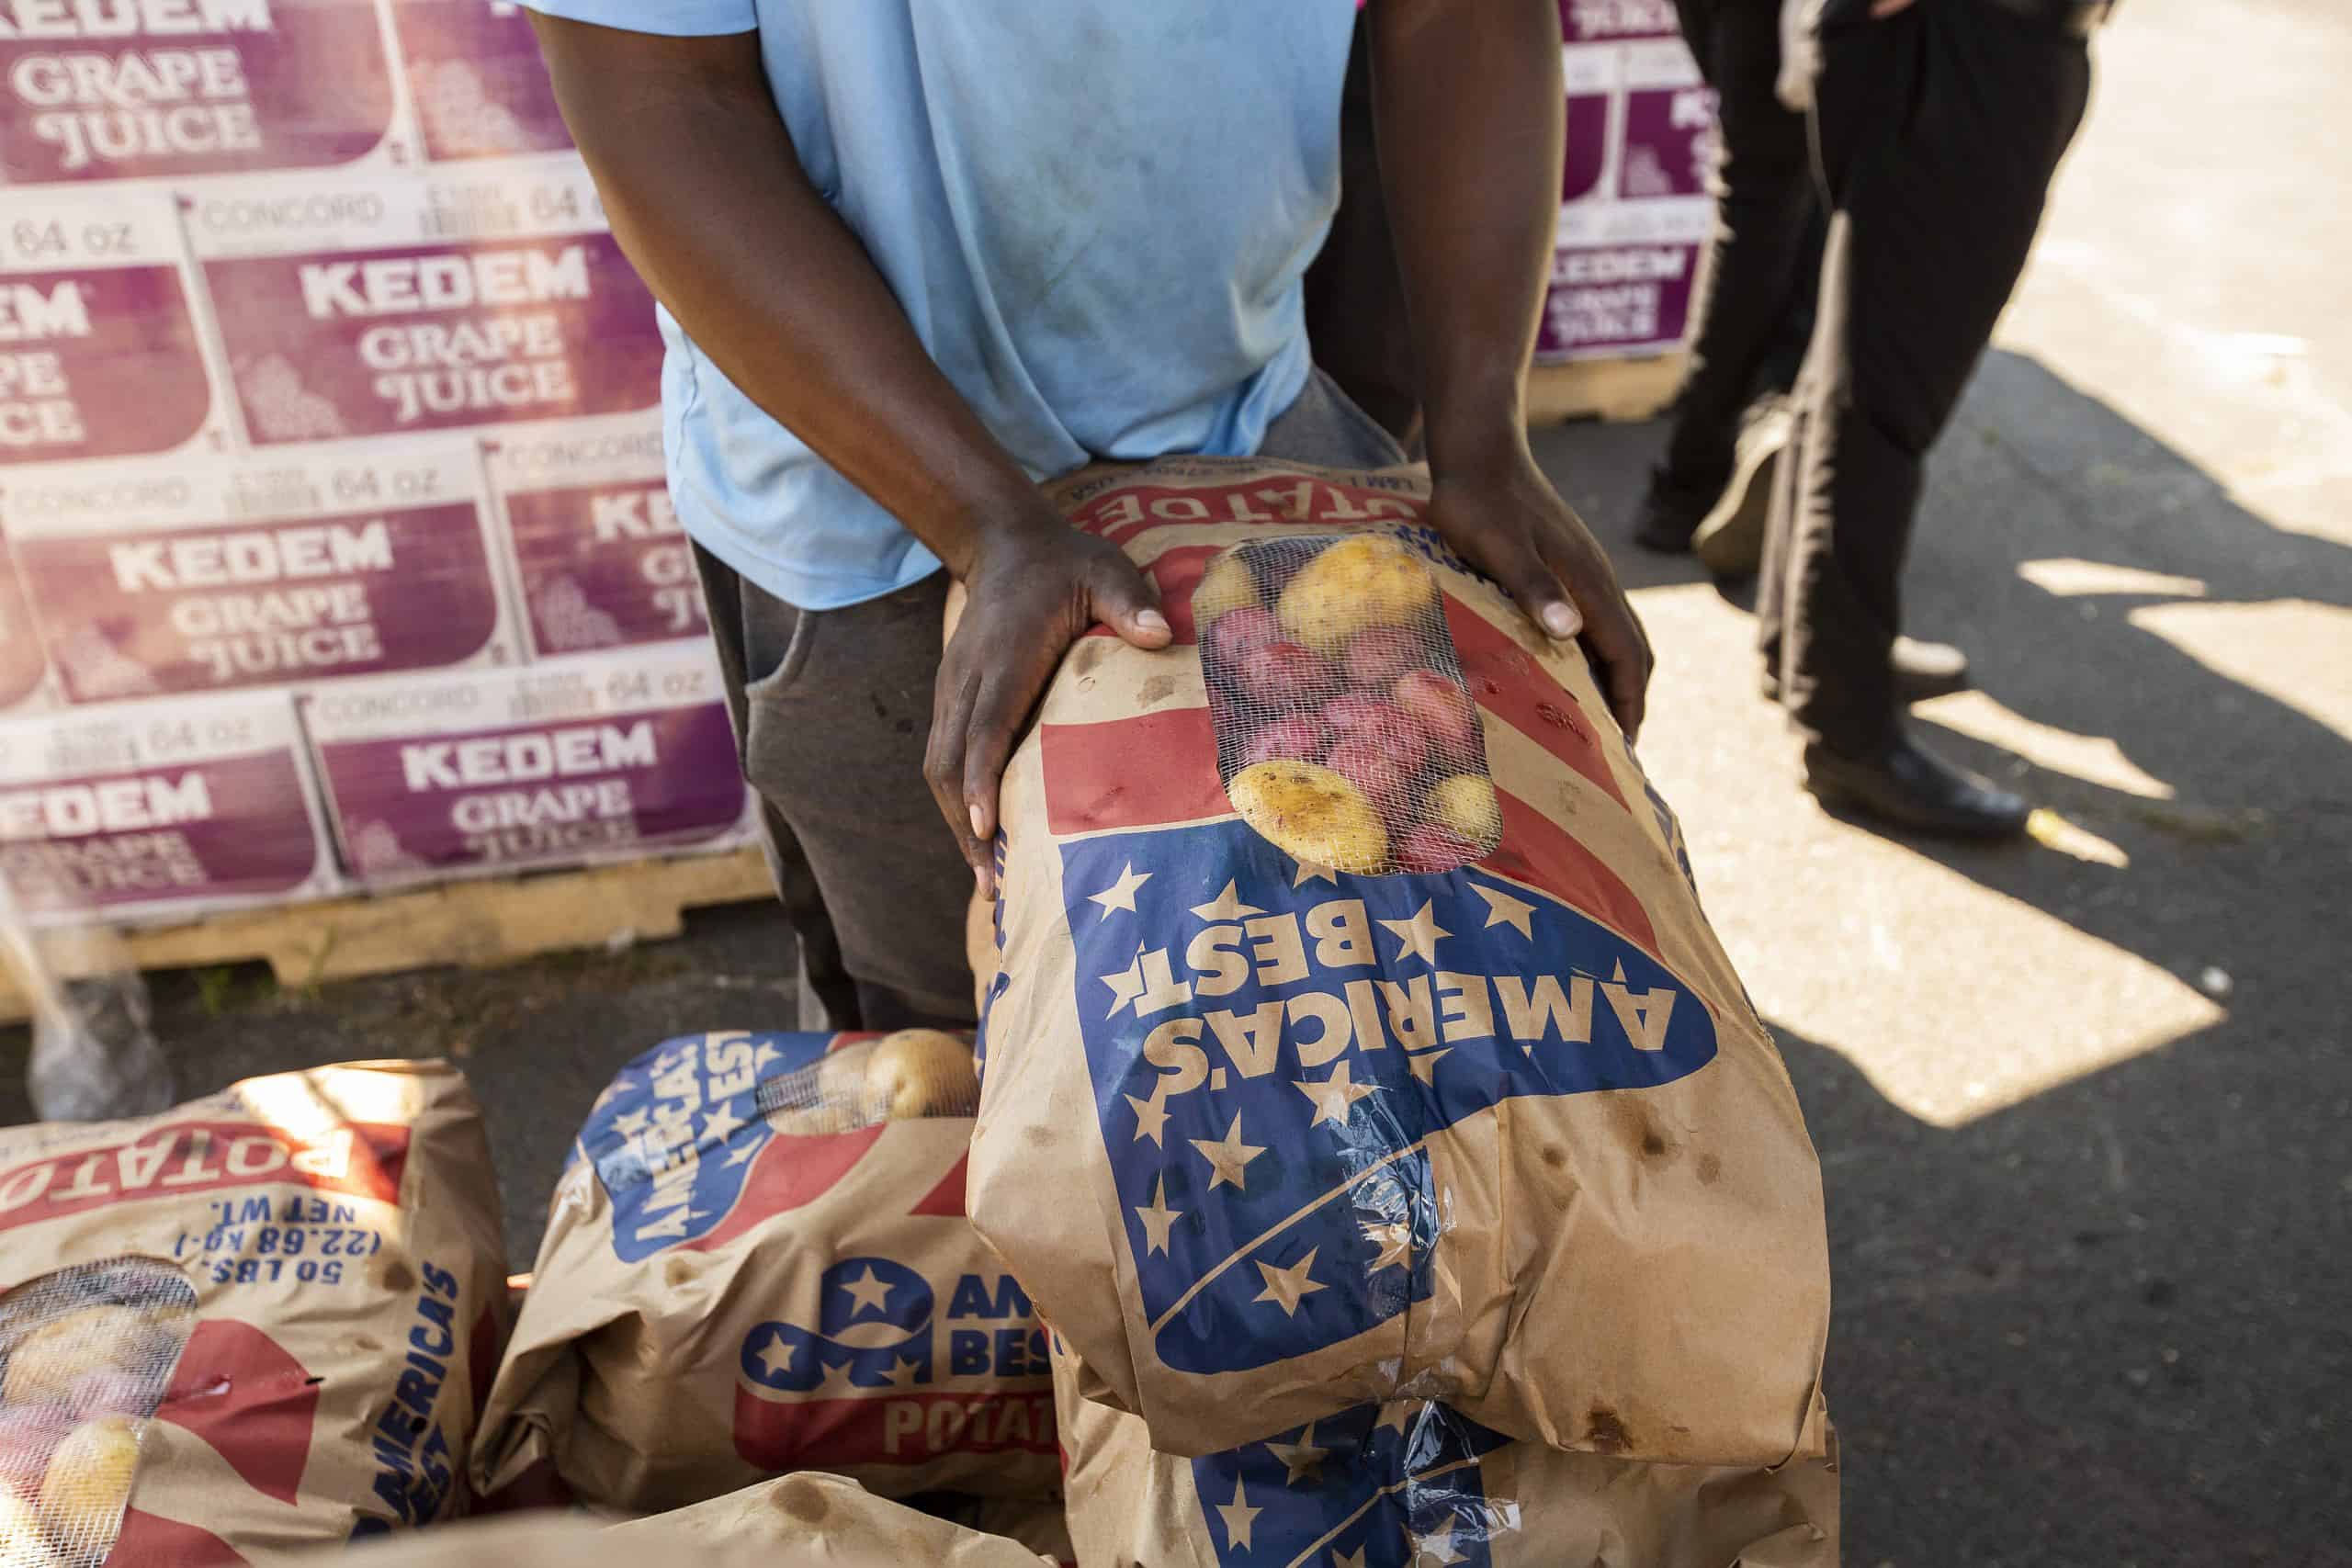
(1730, 538)
(1915, 788)
(1670, 516)
(1922, 669)
(1925, 670)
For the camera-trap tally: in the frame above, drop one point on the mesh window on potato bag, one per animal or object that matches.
(89, 1353)
(914, 1073)
(1346, 736)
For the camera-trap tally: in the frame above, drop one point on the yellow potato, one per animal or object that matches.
(1367, 580)
(22, 1544)
(921, 1072)
(1311, 814)
(1467, 804)
(817, 1120)
(1227, 584)
(44, 1365)
(88, 1481)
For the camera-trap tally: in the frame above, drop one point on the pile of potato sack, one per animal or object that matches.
(1381, 1165)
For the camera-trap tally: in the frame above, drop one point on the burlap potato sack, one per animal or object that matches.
(261, 1321)
(1358, 1036)
(798, 1521)
(1412, 1485)
(758, 1262)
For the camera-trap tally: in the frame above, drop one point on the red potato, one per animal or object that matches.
(1402, 736)
(1238, 635)
(1376, 656)
(1426, 847)
(1301, 737)
(1283, 676)
(1444, 709)
(1366, 762)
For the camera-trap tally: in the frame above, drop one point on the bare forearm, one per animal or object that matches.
(1469, 109)
(708, 199)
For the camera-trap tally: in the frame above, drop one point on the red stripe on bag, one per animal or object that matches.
(1537, 850)
(1293, 499)
(239, 1390)
(888, 1427)
(1177, 574)
(1145, 771)
(155, 1542)
(946, 1201)
(1508, 683)
(792, 1170)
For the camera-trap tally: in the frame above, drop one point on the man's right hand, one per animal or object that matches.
(1033, 587)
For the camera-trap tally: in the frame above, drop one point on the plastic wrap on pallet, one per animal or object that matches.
(474, 74)
(599, 557)
(23, 667)
(367, 308)
(598, 757)
(1635, 211)
(159, 809)
(162, 578)
(101, 355)
(277, 279)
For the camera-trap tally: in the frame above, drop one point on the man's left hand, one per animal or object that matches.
(1511, 524)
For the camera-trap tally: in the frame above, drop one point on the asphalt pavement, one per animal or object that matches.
(2083, 1105)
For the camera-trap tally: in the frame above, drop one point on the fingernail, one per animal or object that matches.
(1562, 621)
(1151, 620)
(979, 824)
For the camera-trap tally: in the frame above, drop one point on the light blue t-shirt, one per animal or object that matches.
(1095, 212)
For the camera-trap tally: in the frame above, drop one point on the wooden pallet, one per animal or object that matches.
(476, 923)
(1615, 390)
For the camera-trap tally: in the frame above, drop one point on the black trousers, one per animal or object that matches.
(1755, 311)
(1938, 129)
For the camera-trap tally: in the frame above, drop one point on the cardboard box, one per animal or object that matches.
(159, 578)
(599, 757)
(598, 556)
(170, 88)
(477, 82)
(100, 351)
(1634, 214)
(161, 808)
(371, 306)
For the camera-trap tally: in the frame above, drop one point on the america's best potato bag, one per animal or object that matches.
(1417, 1485)
(799, 1521)
(821, 1521)
(758, 1262)
(1041, 1526)
(262, 1320)
(1358, 1036)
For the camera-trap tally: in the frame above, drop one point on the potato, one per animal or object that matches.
(45, 1365)
(1284, 677)
(22, 1545)
(1465, 803)
(1312, 814)
(1227, 584)
(921, 1072)
(835, 1086)
(1443, 708)
(1364, 580)
(1369, 762)
(1300, 737)
(88, 1481)
(1429, 848)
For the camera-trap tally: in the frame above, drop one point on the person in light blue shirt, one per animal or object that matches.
(915, 255)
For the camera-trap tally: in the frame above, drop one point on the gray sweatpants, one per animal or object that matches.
(832, 714)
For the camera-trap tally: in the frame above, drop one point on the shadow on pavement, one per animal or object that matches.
(2106, 1325)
